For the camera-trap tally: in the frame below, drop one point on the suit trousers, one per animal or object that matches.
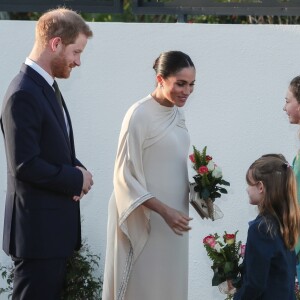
(38, 279)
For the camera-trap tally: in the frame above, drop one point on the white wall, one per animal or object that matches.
(236, 110)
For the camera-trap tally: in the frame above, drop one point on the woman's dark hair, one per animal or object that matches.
(295, 88)
(171, 62)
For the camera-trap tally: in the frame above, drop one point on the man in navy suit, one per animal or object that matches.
(45, 180)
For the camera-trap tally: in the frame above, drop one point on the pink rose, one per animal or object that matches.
(203, 170)
(242, 250)
(192, 158)
(210, 241)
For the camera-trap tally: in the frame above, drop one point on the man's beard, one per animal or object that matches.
(60, 67)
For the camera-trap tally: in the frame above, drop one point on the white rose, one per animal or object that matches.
(217, 172)
(217, 247)
(210, 165)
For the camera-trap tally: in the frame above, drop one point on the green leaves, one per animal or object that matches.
(228, 267)
(205, 193)
(8, 274)
(223, 190)
(224, 182)
(80, 281)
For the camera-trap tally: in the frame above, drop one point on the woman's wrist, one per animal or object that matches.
(156, 205)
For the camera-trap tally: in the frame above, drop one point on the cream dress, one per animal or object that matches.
(145, 259)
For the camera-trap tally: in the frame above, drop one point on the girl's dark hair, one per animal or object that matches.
(295, 88)
(280, 195)
(171, 62)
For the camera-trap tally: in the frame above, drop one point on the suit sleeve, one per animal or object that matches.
(22, 121)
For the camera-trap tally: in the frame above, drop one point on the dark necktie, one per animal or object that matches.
(57, 94)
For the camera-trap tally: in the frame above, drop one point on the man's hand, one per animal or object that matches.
(77, 198)
(87, 180)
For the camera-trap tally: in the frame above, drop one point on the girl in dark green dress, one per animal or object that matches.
(292, 108)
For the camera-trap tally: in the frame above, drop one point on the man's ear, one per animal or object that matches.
(55, 43)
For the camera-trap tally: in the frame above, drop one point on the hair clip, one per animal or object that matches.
(286, 165)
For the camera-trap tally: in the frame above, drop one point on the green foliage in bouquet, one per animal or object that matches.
(209, 177)
(225, 254)
(80, 281)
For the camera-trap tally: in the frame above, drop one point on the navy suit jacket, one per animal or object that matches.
(269, 267)
(41, 219)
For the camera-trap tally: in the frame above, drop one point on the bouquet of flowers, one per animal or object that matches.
(207, 186)
(225, 253)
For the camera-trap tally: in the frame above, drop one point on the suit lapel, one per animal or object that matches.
(49, 94)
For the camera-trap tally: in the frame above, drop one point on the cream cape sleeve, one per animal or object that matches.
(128, 221)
